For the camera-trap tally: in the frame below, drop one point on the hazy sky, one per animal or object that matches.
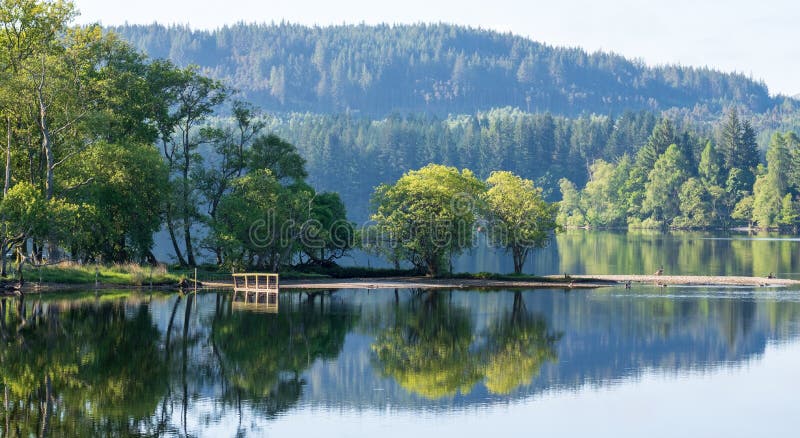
(758, 38)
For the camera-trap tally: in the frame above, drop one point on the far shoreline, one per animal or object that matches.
(546, 282)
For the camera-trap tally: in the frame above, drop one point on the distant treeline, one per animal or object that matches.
(352, 155)
(674, 181)
(436, 69)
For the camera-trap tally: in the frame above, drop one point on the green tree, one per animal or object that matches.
(429, 214)
(604, 198)
(195, 99)
(790, 212)
(126, 198)
(664, 181)
(743, 212)
(695, 206)
(767, 200)
(793, 146)
(227, 160)
(246, 227)
(739, 152)
(279, 156)
(519, 219)
(770, 188)
(662, 137)
(710, 169)
(569, 209)
(328, 235)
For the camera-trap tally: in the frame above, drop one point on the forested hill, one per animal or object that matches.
(437, 69)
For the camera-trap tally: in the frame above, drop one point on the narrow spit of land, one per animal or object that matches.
(695, 280)
(555, 281)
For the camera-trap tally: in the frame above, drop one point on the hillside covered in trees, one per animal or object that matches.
(437, 69)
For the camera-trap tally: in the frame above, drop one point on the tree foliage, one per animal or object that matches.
(429, 215)
(519, 219)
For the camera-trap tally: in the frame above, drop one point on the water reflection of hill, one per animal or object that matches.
(140, 363)
(603, 337)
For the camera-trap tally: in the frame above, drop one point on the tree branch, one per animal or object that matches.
(79, 185)
(72, 154)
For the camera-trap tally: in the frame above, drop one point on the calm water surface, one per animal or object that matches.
(609, 362)
(642, 252)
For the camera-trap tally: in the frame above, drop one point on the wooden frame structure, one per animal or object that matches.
(256, 286)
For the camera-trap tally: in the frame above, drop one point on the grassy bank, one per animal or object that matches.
(135, 275)
(122, 274)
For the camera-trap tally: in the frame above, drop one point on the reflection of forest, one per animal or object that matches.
(67, 371)
(120, 365)
(261, 357)
(89, 368)
(642, 252)
(431, 348)
(687, 253)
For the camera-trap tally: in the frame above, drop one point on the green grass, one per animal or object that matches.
(123, 275)
(136, 275)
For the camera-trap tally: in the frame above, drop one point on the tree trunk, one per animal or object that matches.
(47, 145)
(187, 220)
(433, 267)
(171, 230)
(519, 254)
(4, 246)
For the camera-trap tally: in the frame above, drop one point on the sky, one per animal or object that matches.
(759, 39)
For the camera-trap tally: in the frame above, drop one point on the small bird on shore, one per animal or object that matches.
(771, 275)
(660, 270)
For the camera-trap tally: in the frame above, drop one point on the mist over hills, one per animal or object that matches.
(438, 69)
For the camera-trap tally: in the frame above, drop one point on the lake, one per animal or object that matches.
(642, 252)
(647, 361)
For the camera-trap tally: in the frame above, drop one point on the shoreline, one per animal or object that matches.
(695, 280)
(554, 281)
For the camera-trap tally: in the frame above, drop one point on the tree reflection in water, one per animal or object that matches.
(518, 345)
(97, 366)
(135, 364)
(430, 348)
(67, 369)
(427, 348)
(261, 356)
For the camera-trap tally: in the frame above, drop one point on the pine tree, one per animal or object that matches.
(730, 138)
(661, 138)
